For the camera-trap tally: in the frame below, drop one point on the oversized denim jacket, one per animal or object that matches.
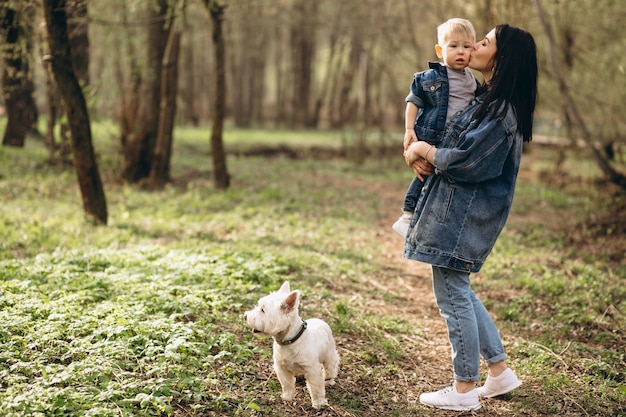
(429, 91)
(465, 203)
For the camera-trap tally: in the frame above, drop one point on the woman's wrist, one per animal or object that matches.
(428, 152)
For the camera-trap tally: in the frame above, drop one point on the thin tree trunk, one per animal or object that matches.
(94, 201)
(345, 112)
(160, 170)
(247, 62)
(324, 96)
(613, 176)
(139, 151)
(240, 113)
(188, 93)
(280, 114)
(221, 178)
(302, 49)
(361, 142)
(55, 110)
(129, 96)
(334, 110)
(78, 31)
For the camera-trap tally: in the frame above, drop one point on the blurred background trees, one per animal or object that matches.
(302, 64)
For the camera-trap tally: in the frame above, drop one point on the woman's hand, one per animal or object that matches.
(414, 157)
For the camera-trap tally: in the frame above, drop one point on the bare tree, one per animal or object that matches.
(189, 85)
(78, 34)
(129, 86)
(16, 39)
(302, 36)
(247, 43)
(94, 201)
(58, 150)
(160, 169)
(569, 104)
(221, 178)
(139, 147)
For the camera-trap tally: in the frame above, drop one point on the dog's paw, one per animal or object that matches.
(329, 382)
(320, 403)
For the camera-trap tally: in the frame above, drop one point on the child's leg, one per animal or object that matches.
(401, 226)
(412, 195)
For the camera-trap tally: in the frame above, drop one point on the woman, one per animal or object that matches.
(464, 206)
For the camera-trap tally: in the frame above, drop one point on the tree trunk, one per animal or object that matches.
(489, 18)
(139, 150)
(345, 109)
(280, 114)
(78, 31)
(17, 77)
(189, 112)
(570, 107)
(221, 178)
(59, 151)
(361, 142)
(302, 50)
(333, 65)
(130, 89)
(94, 201)
(160, 170)
(247, 62)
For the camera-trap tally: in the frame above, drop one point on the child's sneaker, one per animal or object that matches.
(505, 382)
(449, 399)
(401, 226)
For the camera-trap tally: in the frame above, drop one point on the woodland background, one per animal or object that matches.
(283, 121)
(151, 65)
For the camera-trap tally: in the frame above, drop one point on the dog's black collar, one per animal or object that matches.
(289, 341)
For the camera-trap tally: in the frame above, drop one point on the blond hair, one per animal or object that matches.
(455, 25)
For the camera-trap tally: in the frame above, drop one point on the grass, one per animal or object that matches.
(143, 317)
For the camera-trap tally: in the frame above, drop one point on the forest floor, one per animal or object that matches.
(144, 317)
(426, 365)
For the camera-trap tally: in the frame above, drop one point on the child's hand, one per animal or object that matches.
(409, 138)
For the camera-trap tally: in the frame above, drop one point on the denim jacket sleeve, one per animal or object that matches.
(415, 94)
(480, 152)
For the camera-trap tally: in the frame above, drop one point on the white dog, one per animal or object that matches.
(300, 347)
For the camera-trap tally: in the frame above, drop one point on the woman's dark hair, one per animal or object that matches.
(514, 79)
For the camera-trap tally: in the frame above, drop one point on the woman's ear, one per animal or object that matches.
(439, 50)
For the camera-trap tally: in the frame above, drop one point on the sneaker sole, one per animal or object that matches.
(454, 408)
(502, 391)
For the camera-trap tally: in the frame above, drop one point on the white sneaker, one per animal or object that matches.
(505, 382)
(401, 226)
(449, 399)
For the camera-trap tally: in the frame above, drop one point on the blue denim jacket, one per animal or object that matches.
(465, 203)
(429, 92)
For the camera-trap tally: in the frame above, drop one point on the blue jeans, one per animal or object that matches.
(471, 331)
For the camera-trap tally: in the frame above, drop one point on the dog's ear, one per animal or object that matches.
(291, 302)
(284, 288)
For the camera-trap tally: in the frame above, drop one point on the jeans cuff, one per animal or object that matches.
(495, 359)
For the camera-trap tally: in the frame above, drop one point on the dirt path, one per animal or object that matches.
(413, 287)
